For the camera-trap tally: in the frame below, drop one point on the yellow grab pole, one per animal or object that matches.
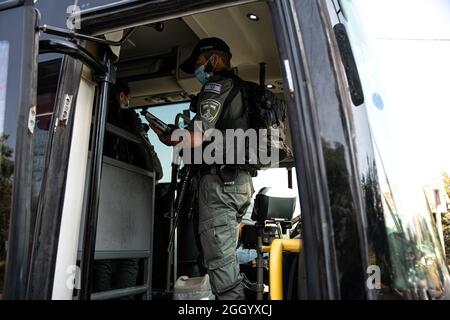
(277, 248)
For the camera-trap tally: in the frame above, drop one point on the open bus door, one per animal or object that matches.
(35, 227)
(52, 196)
(18, 64)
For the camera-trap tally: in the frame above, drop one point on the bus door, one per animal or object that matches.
(18, 64)
(70, 126)
(35, 216)
(334, 243)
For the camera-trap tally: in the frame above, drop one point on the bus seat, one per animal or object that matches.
(274, 204)
(125, 217)
(270, 204)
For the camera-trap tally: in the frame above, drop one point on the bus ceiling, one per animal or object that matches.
(149, 58)
(148, 52)
(104, 16)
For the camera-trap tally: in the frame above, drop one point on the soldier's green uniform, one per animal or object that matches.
(220, 205)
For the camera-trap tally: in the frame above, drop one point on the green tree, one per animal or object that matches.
(446, 218)
(446, 179)
(6, 180)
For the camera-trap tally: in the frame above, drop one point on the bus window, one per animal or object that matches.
(46, 91)
(167, 114)
(6, 164)
(48, 75)
(408, 131)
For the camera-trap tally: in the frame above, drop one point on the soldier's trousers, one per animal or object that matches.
(219, 206)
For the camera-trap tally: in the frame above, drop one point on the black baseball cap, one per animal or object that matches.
(203, 45)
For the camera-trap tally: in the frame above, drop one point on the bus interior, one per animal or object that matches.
(133, 220)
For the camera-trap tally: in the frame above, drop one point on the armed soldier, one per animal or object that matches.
(225, 191)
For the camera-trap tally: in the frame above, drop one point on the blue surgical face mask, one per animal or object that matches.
(201, 74)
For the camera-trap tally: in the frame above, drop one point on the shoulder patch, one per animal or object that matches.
(210, 109)
(213, 87)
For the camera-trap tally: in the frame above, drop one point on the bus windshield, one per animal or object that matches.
(404, 69)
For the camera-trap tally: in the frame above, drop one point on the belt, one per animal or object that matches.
(214, 169)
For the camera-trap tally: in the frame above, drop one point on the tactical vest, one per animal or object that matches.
(248, 106)
(235, 116)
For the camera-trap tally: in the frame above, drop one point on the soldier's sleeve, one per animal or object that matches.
(210, 103)
(155, 162)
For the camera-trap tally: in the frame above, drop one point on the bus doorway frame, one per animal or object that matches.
(322, 273)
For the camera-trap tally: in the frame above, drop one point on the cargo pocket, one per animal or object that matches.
(240, 197)
(217, 241)
(238, 188)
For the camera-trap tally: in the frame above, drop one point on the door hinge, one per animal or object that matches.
(32, 119)
(65, 110)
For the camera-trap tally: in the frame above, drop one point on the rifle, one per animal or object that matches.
(176, 207)
(259, 258)
(262, 75)
(185, 182)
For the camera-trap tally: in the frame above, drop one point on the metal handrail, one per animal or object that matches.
(74, 35)
(119, 293)
(276, 250)
(73, 50)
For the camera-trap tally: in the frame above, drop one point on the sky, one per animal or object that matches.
(166, 114)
